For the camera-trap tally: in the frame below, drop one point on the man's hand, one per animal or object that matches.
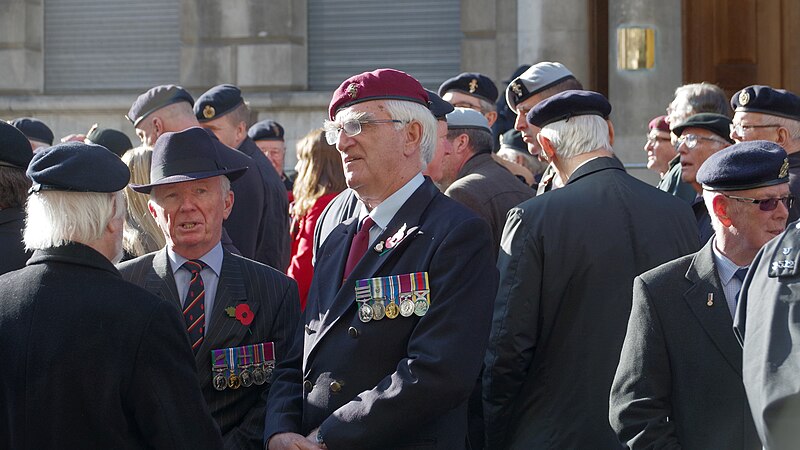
(293, 441)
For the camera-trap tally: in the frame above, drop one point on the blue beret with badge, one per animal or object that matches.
(34, 129)
(217, 101)
(568, 104)
(536, 79)
(156, 98)
(746, 165)
(77, 167)
(266, 130)
(15, 150)
(767, 100)
(439, 107)
(471, 83)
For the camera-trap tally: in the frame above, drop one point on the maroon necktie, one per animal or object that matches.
(359, 246)
(194, 306)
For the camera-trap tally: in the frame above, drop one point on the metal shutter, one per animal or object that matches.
(346, 37)
(104, 45)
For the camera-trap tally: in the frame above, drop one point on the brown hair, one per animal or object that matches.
(141, 234)
(319, 171)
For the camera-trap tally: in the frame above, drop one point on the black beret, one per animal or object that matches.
(470, 83)
(746, 165)
(439, 107)
(537, 78)
(266, 130)
(568, 104)
(79, 167)
(114, 140)
(188, 155)
(34, 129)
(155, 99)
(715, 123)
(15, 150)
(512, 140)
(217, 101)
(764, 99)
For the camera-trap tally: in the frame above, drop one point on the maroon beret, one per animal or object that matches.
(659, 123)
(381, 84)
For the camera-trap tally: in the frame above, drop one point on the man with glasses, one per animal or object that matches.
(474, 91)
(398, 313)
(762, 112)
(679, 379)
(699, 137)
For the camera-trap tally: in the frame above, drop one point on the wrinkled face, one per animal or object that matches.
(190, 214)
(708, 143)
(751, 126)
(529, 132)
(659, 150)
(752, 226)
(275, 151)
(434, 169)
(224, 130)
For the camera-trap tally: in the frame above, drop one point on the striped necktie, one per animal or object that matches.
(194, 305)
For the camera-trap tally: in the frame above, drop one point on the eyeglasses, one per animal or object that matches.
(468, 106)
(741, 128)
(767, 204)
(653, 140)
(350, 127)
(691, 140)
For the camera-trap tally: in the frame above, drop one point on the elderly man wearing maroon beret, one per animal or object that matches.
(659, 148)
(398, 314)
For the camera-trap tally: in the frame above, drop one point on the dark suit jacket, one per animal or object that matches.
(679, 380)
(490, 190)
(567, 265)
(344, 206)
(271, 227)
(12, 221)
(90, 361)
(273, 299)
(404, 382)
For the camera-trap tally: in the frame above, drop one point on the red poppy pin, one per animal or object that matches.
(242, 313)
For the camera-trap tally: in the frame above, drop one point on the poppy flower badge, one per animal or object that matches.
(242, 313)
(394, 240)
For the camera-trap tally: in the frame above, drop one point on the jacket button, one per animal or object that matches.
(336, 386)
(307, 386)
(352, 332)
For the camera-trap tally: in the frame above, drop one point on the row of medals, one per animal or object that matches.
(378, 310)
(249, 375)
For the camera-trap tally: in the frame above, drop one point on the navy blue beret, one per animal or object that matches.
(155, 99)
(266, 130)
(746, 165)
(34, 129)
(114, 140)
(15, 150)
(217, 101)
(188, 155)
(568, 104)
(764, 99)
(470, 83)
(79, 167)
(715, 123)
(439, 107)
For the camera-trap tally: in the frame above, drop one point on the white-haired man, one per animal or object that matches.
(89, 359)
(567, 261)
(397, 316)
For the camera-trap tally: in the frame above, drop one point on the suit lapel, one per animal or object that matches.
(161, 281)
(716, 319)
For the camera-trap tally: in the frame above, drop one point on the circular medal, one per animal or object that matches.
(246, 377)
(420, 307)
(234, 382)
(259, 377)
(406, 307)
(220, 383)
(392, 310)
(378, 310)
(268, 368)
(365, 313)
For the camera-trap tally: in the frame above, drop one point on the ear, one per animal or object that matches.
(491, 116)
(610, 133)
(461, 143)
(158, 127)
(720, 206)
(547, 147)
(413, 137)
(783, 137)
(241, 131)
(228, 204)
(152, 209)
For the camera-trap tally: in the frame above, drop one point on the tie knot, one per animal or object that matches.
(740, 274)
(366, 224)
(194, 266)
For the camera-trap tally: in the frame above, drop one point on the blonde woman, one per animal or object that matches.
(141, 235)
(319, 179)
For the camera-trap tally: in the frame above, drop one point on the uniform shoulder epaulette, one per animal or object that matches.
(785, 257)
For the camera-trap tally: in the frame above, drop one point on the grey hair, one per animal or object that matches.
(577, 135)
(487, 106)
(55, 218)
(696, 98)
(793, 126)
(409, 112)
(481, 141)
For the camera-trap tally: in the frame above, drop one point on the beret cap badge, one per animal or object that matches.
(209, 112)
(352, 90)
(744, 98)
(517, 89)
(473, 86)
(784, 169)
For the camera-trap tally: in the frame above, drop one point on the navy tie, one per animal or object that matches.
(739, 275)
(194, 304)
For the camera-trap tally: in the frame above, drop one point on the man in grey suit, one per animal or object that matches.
(240, 315)
(679, 379)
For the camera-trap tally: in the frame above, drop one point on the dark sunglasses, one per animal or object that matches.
(767, 204)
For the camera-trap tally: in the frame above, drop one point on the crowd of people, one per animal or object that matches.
(456, 269)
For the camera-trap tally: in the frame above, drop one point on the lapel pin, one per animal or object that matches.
(710, 301)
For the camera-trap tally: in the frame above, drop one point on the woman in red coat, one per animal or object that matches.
(319, 179)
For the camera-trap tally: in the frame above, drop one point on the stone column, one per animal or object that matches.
(21, 37)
